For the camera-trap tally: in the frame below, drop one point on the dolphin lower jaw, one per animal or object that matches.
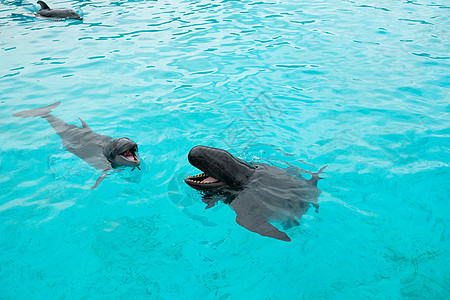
(204, 182)
(127, 158)
(130, 155)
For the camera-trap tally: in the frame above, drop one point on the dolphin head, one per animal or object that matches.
(220, 169)
(122, 152)
(73, 15)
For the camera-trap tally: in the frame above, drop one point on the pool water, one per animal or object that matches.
(357, 86)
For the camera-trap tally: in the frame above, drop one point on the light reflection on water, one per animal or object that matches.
(361, 88)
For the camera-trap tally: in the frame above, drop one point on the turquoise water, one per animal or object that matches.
(357, 86)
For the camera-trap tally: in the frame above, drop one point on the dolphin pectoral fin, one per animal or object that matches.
(209, 201)
(83, 123)
(259, 225)
(103, 176)
(250, 217)
(97, 182)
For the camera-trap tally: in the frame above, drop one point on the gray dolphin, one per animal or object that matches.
(47, 12)
(102, 152)
(258, 193)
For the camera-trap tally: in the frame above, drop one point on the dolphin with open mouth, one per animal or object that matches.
(258, 193)
(102, 152)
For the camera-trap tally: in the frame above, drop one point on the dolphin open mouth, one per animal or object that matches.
(220, 169)
(122, 152)
(203, 182)
(130, 154)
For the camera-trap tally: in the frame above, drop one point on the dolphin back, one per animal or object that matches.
(37, 112)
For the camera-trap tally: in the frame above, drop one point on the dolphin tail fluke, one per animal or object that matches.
(315, 176)
(37, 112)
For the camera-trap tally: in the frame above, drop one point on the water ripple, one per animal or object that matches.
(362, 88)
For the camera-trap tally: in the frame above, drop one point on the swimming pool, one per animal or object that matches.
(359, 87)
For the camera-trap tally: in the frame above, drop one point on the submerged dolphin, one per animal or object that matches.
(47, 12)
(100, 151)
(258, 193)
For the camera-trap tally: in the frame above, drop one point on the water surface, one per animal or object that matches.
(359, 87)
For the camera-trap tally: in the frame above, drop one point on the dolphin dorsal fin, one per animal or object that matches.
(83, 123)
(43, 5)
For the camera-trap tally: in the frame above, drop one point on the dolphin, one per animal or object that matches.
(47, 12)
(258, 193)
(102, 152)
